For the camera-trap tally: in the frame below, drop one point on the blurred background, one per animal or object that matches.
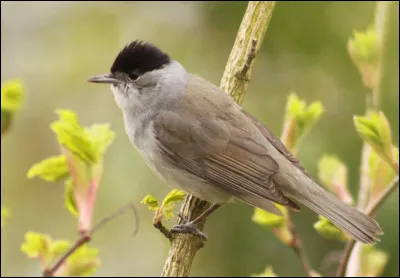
(55, 46)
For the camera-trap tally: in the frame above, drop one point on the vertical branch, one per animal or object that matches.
(235, 80)
(372, 99)
(350, 262)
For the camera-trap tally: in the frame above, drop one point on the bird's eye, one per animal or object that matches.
(134, 74)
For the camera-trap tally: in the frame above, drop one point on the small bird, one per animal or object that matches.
(198, 139)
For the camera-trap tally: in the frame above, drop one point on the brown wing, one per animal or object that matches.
(212, 147)
(275, 142)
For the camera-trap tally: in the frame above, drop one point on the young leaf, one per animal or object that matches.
(380, 173)
(74, 137)
(267, 219)
(284, 234)
(268, 272)
(5, 213)
(279, 224)
(373, 261)
(69, 199)
(375, 130)
(101, 136)
(36, 245)
(333, 175)
(364, 47)
(83, 262)
(59, 247)
(365, 53)
(89, 144)
(325, 228)
(12, 93)
(168, 204)
(151, 201)
(299, 119)
(50, 169)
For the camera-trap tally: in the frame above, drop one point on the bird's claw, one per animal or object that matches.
(188, 227)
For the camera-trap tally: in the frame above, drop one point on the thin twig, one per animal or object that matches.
(297, 247)
(382, 13)
(86, 237)
(248, 42)
(371, 210)
(159, 226)
(81, 241)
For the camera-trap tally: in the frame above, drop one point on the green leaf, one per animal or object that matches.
(332, 173)
(325, 228)
(59, 247)
(364, 46)
(5, 214)
(268, 272)
(375, 130)
(74, 137)
(83, 262)
(36, 245)
(50, 169)
(300, 118)
(12, 93)
(101, 136)
(373, 261)
(151, 201)
(89, 144)
(267, 219)
(380, 173)
(69, 199)
(168, 204)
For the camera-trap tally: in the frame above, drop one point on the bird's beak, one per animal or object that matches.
(104, 78)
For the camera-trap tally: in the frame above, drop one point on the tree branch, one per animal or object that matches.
(297, 246)
(372, 105)
(86, 237)
(235, 80)
(371, 211)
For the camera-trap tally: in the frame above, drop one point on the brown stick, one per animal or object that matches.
(85, 238)
(235, 80)
(297, 246)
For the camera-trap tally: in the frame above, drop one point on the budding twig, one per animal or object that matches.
(297, 247)
(86, 237)
(371, 210)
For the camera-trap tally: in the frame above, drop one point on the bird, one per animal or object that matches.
(197, 138)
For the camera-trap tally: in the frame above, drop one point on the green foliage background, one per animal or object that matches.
(54, 47)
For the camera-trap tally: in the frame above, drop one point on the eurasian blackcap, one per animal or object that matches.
(199, 140)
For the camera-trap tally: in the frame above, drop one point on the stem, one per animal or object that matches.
(86, 237)
(297, 243)
(297, 247)
(81, 241)
(382, 13)
(372, 99)
(371, 211)
(235, 80)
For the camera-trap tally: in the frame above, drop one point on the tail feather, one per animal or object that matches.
(355, 223)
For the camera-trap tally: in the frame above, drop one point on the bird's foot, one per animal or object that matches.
(189, 227)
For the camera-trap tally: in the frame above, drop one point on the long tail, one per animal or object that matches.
(355, 223)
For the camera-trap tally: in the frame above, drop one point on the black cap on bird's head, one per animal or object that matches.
(135, 59)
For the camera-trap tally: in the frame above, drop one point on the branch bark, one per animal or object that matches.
(235, 80)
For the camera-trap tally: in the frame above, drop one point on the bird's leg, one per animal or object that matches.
(191, 226)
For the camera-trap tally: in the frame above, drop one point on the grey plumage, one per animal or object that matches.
(198, 139)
